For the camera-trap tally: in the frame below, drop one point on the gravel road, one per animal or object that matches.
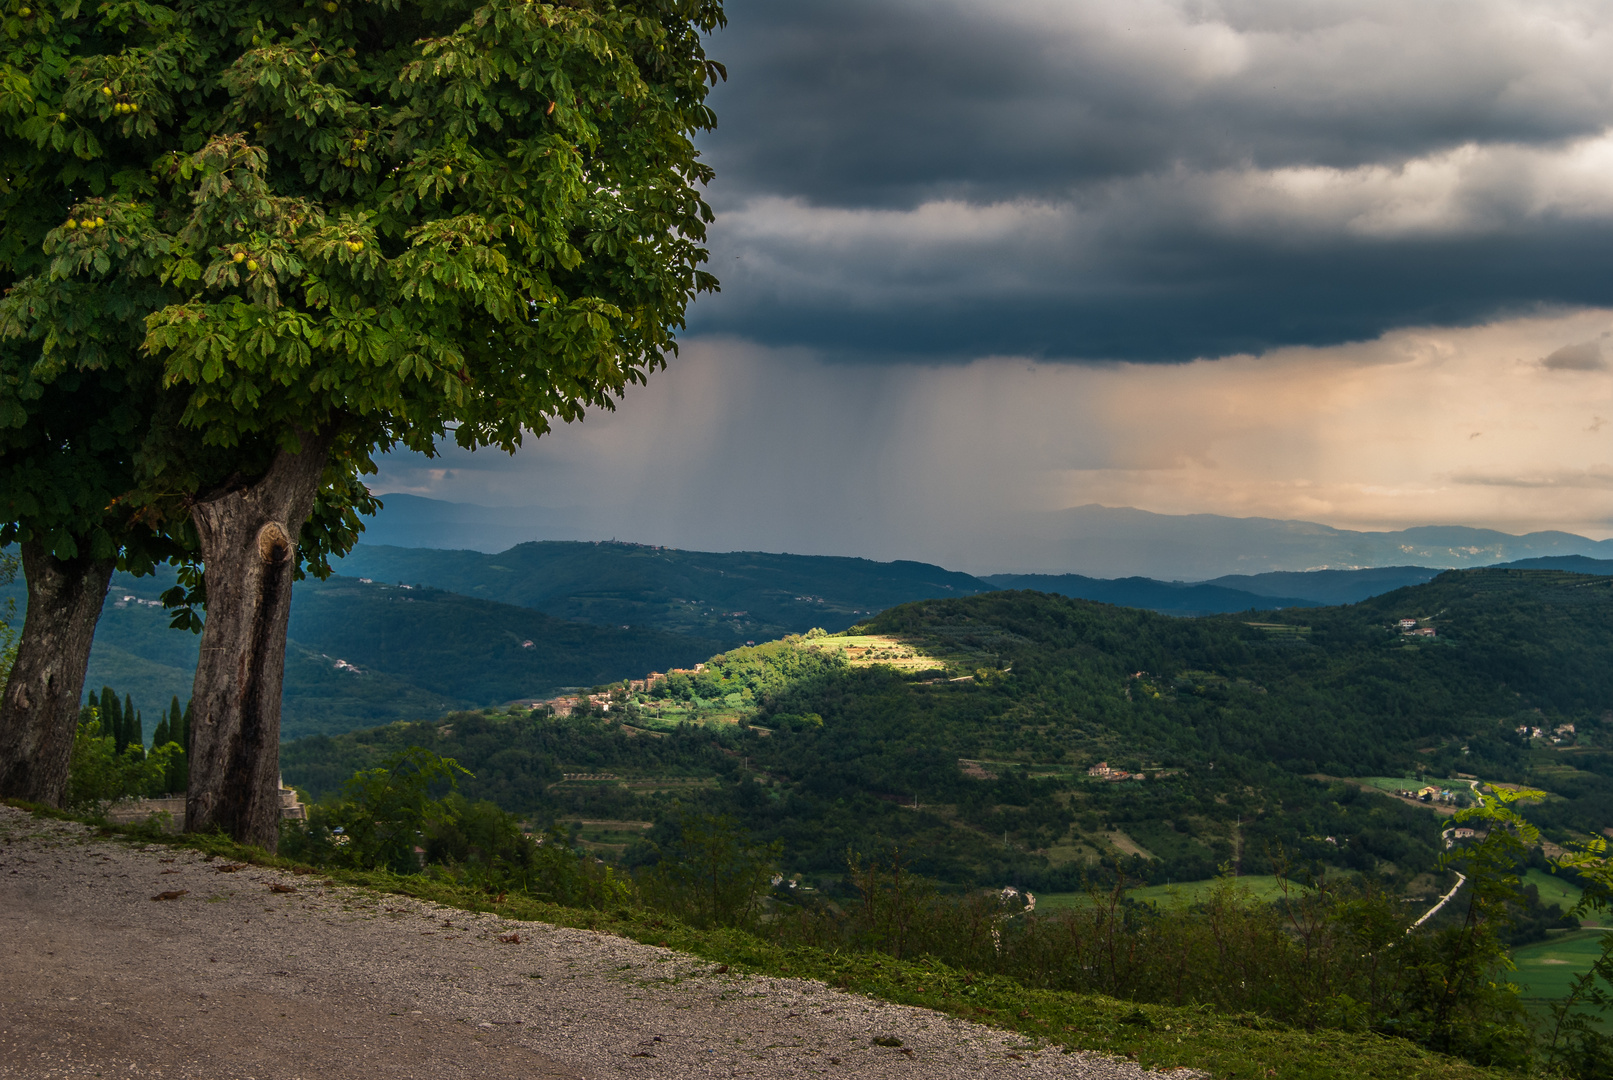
(233, 980)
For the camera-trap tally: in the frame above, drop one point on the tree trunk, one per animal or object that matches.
(248, 541)
(39, 711)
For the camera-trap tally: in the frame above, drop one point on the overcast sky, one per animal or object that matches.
(1344, 262)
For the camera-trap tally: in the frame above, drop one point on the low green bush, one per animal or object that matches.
(99, 773)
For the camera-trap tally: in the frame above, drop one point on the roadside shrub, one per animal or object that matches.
(99, 775)
(708, 871)
(386, 818)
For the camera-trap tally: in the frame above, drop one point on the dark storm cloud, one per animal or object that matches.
(1211, 298)
(887, 101)
(1152, 180)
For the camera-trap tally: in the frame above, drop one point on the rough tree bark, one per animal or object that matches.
(39, 711)
(248, 546)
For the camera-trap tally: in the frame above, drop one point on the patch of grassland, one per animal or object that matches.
(1546, 968)
(1121, 842)
(870, 650)
(659, 715)
(1231, 1046)
(1553, 890)
(609, 837)
(980, 768)
(1181, 894)
(1545, 971)
(1073, 849)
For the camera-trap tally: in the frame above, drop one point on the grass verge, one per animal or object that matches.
(1231, 1047)
(1181, 894)
(1546, 969)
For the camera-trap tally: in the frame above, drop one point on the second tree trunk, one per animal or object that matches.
(248, 541)
(39, 711)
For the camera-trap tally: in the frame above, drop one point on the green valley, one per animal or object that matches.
(1030, 738)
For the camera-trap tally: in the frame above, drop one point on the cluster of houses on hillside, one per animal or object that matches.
(1428, 794)
(567, 704)
(646, 684)
(1103, 771)
(1410, 628)
(1558, 733)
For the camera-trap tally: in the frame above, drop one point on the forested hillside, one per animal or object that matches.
(366, 653)
(965, 730)
(734, 596)
(1341, 689)
(477, 650)
(1165, 597)
(596, 613)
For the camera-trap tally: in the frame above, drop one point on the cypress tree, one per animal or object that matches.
(107, 704)
(159, 734)
(137, 734)
(112, 719)
(176, 722)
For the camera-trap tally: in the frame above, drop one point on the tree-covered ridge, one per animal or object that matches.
(730, 596)
(475, 650)
(1341, 690)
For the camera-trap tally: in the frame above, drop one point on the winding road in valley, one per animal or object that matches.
(1461, 878)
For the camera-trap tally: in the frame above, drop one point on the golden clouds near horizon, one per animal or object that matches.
(1503, 425)
(1507, 425)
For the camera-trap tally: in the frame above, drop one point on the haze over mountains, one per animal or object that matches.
(1093, 541)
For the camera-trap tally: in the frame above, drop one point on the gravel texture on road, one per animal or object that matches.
(246, 973)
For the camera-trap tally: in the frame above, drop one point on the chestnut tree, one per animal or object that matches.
(350, 225)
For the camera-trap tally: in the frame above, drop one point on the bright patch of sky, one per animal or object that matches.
(740, 446)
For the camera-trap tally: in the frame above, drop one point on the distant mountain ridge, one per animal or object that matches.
(1333, 586)
(1101, 542)
(1114, 542)
(740, 596)
(414, 521)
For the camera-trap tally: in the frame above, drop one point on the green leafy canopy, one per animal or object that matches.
(228, 225)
